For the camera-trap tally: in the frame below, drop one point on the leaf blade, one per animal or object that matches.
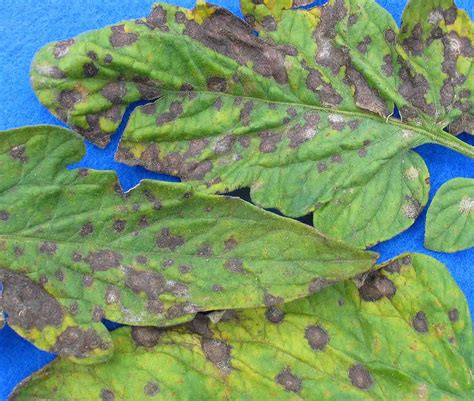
(324, 59)
(302, 349)
(450, 221)
(155, 255)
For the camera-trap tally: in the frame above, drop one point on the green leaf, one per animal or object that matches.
(401, 333)
(301, 114)
(75, 249)
(450, 218)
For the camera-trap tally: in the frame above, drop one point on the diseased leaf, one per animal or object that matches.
(401, 333)
(75, 249)
(450, 217)
(301, 114)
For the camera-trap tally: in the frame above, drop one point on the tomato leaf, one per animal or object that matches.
(400, 333)
(76, 249)
(450, 217)
(301, 114)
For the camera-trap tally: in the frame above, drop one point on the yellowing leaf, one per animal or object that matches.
(400, 333)
(75, 249)
(301, 114)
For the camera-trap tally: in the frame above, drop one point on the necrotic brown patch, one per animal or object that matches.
(234, 265)
(86, 229)
(274, 315)
(317, 337)
(205, 251)
(18, 153)
(112, 295)
(360, 377)
(166, 240)
(147, 337)
(270, 300)
(77, 342)
(217, 84)
(420, 322)
(218, 352)
(114, 92)
(62, 48)
(288, 380)
(120, 38)
(48, 247)
(151, 389)
(104, 260)
(376, 286)
(453, 315)
(107, 395)
(27, 304)
(149, 282)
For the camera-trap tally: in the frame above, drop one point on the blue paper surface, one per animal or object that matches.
(27, 25)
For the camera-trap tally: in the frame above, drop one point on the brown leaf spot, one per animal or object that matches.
(352, 19)
(269, 141)
(270, 300)
(218, 353)
(412, 208)
(48, 247)
(205, 251)
(420, 322)
(360, 377)
(318, 284)
(18, 153)
(74, 308)
(363, 45)
(317, 337)
(376, 286)
(61, 48)
(387, 67)
(450, 15)
(90, 70)
(269, 23)
(18, 251)
(175, 111)
(107, 395)
(234, 265)
(97, 313)
(184, 269)
(59, 274)
(322, 167)
(157, 19)
(166, 240)
(453, 315)
(230, 244)
(86, 229)
(87, 280)
(181, 309)
(149, 282)
(77, 342)
(27, 304)
(108, 59)
(217, 288)
(103, 260)
(120, 38)
(119, 225)
(234, 38)
(390, 36)
(4, 215)
(151, 389)
(288, 380)
(112, 295)
(114, 92)
(245, 113)
(147, 337)
(274, 315)
(217, 84)
(218, 104)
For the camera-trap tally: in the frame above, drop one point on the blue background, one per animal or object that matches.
(27, 25)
